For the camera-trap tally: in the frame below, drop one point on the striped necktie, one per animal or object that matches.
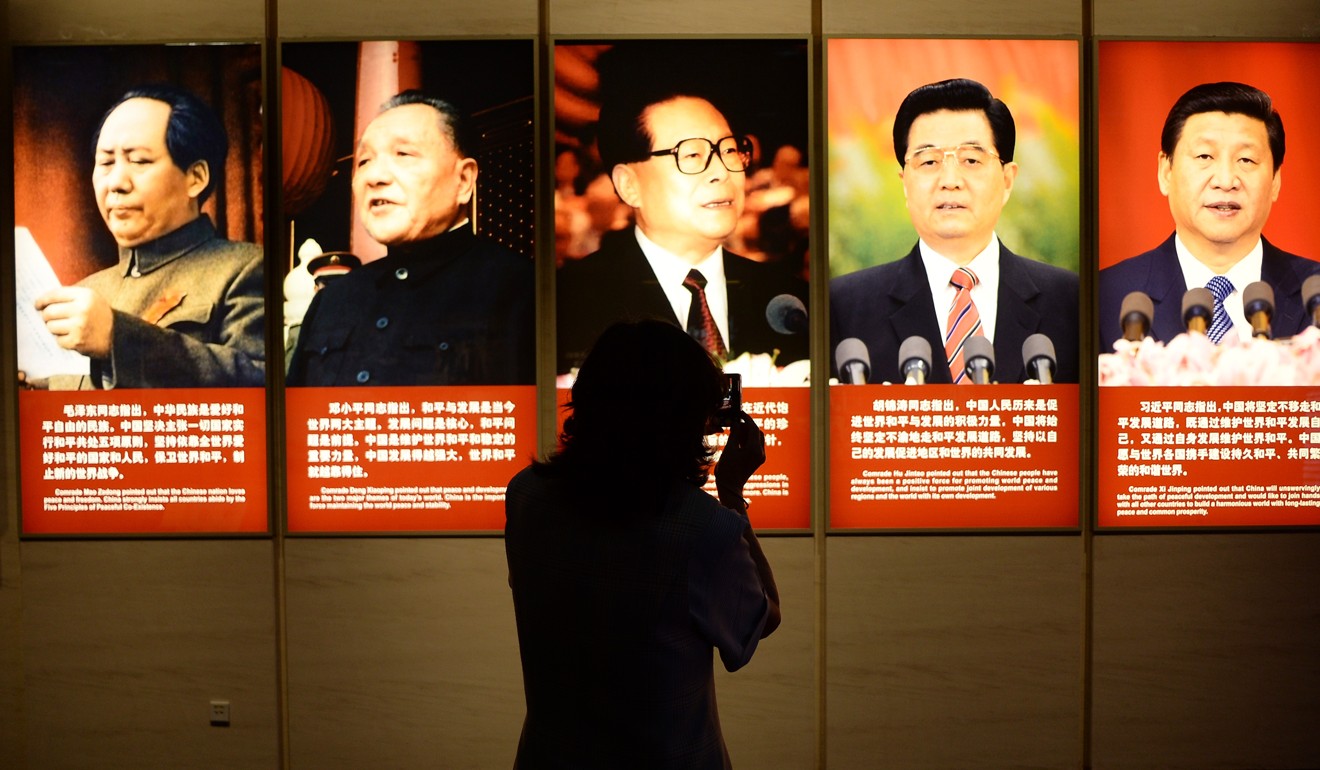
(964, 322)
(700, 323)
(1220, 323)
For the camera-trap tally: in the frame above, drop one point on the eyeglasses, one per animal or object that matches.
(693, 155)
(971, 158)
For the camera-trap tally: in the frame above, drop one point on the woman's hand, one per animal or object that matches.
(742, 455)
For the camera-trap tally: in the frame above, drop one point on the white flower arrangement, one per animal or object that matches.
(1192, 359)
(759, 371)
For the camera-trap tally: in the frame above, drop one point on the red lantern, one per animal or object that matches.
(308, 142)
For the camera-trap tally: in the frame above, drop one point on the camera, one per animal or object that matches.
(730, 401)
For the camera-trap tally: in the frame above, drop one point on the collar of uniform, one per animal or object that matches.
(167, 248)
(423, 259)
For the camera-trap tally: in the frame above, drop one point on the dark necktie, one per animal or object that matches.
(1220, 323)
(964, 322)
(700, 323)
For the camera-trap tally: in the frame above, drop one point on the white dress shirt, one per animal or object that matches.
(1241, 275)
(939, 269)
(671, 271)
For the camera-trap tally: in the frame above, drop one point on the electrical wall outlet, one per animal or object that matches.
(219, 713)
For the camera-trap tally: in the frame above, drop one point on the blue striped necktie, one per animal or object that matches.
(1222, 288)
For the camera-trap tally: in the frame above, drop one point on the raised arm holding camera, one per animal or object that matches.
(625, 574)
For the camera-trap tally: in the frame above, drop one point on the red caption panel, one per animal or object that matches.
(187, 460)
(405, 459)
(953, 456)
(1205, 457)
(780, 493)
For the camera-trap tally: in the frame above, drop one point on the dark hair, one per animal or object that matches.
(193, 132)
(1229, 97)
(640, 407)
(621, 133)
(454, 123)
(958, 95)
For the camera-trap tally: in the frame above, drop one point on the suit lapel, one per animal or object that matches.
(1276, 270)
(916, 314)
(1017, 317)
(1166, 286)
(737, 286)
(636, 271)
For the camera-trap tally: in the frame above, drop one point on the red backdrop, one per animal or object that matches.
(1140, 81)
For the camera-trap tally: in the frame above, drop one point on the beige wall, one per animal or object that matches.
(1206, 651)
(1050, 651)
(126, 643)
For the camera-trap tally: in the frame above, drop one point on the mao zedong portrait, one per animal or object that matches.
(183, 307)
(1220, 165)
(954, 143)
(676, 162)
(444, 306)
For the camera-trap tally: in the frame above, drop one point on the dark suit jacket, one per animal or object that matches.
(457, 309)
(616, 283)
(886, 304)
(1158, 273)
(619, 614)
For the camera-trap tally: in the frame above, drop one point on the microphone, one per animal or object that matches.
(1038, 355)
(1135, 315)
(787, 315)
(1258, 304)
(1311, 298)
(852, 360)
(1198, 308)
(914, 360)
(980, 357)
